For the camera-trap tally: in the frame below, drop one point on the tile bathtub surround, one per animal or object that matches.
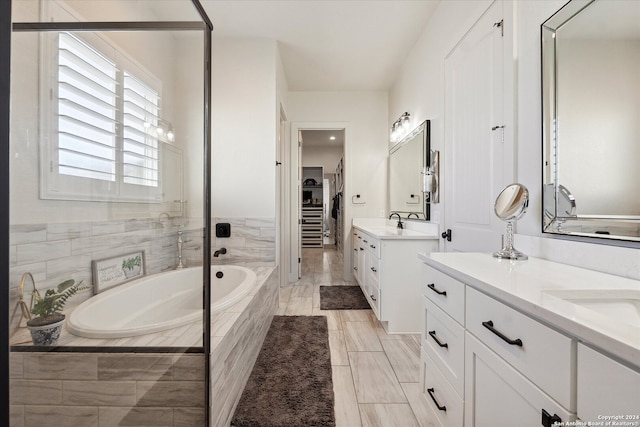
(236, 342)
(56, 252)
(96, 389)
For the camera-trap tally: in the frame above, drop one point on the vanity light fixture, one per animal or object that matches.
(332, 138)
(163, 130)
(400, 127)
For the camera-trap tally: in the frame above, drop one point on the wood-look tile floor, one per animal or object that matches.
(376, 376)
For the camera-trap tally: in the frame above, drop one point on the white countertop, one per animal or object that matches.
(537, 287)
(382, 230)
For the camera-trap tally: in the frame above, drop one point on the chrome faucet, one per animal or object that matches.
(400, 224)
(219, 252)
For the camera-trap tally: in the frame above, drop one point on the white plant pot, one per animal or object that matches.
(46, 334)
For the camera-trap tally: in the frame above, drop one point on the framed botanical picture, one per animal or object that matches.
(114, 271)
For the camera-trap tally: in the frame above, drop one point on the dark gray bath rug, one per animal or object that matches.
(290, 385)
(342, 298)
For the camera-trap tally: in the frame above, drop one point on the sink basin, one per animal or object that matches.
(616, 304)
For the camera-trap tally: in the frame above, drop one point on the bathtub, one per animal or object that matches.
(158, 302)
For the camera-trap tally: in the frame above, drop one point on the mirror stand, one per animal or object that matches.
(509, 252)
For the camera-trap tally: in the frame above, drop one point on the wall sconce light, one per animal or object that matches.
(162, 130)
(400, 128)
(431, 178)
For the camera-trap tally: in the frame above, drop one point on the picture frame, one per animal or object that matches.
(114, 271)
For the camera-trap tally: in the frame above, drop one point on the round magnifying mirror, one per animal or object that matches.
(511, 204)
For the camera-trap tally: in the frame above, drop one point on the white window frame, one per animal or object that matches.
(58, 186)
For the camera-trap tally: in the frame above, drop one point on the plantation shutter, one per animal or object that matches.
(87, 111)
(140, 135)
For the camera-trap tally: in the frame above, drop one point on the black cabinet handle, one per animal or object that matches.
(435, 338)
(489, 325)
(432, 286)
(365, 241)
(362, 249)
(355, 268)
(549, 420)
(373, 298)
(442, 408)
(372, 246)
(373, 269)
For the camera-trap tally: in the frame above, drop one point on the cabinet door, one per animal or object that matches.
(499, 396)
(606, 388)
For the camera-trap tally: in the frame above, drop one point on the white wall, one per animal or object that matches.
(364, 115)
(327, 157)
(244, 127)
(419, 89)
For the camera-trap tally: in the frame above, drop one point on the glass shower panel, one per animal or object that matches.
(108, 137)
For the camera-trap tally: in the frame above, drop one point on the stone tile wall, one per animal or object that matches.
(93, 389)
(56, 252)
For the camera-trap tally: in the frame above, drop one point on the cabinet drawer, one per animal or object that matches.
(444, 403)
(373, 295)
(538, 352)
(445, 292)
(373, 267)
(605, 387)
(371, 244)
(444, 343)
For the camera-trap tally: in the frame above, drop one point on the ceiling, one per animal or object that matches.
(329, 45)
(322, 138)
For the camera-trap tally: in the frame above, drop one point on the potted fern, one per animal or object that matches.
(46, 326)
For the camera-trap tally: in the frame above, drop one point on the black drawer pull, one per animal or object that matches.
(432, 286)
(435, 338)
(373, 269)
(489, 325)
(362, 249)
(442, 408)
(372, 246)
(373, 298)
(364, 241)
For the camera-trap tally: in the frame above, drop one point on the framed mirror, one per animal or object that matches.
(591, 116)
(407, 163)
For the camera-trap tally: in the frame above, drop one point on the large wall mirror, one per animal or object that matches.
(407, 163)
(591, 119)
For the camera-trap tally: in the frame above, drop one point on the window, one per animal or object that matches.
(106, 134)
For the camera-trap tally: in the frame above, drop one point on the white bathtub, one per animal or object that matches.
(158, 302)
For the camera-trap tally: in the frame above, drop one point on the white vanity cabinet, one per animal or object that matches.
(531, 358)
(442, 361)
(386, 268)
(606, 388)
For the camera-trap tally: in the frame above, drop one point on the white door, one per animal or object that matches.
(478, 163)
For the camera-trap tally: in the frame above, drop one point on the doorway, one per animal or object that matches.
(319, 175)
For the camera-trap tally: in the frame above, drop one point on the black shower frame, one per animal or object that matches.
(6, 28)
